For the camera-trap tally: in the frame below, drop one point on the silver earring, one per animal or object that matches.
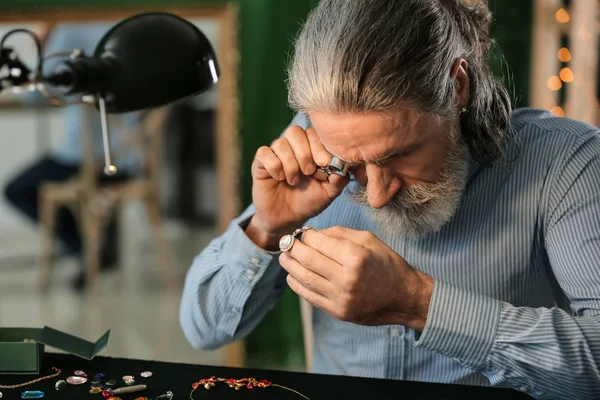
(463, 110)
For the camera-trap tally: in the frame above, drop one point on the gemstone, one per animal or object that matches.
(141, 398)
(99, 376)
(76, 380)
(0, 395)
(112, 382)
(286, 242)
(107, 393)
(127, 377)
(168, 395)
(129, 382)
(114, 398)
(60, 385)
(32, 394)
(95, 390)
(146, 374)
(80, 373)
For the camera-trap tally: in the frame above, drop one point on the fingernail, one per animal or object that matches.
(310, 169)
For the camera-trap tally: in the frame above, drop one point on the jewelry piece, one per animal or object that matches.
(463, 110)
(237, 384)
(80, 373)
(60, 385)
(32, 394)
(111, 382)
(76, 380)
(58, 372)
(129, 389)
(146, 374)
(95, 389)
(287, 241)
(168, 395)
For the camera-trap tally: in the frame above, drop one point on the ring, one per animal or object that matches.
(287, 241)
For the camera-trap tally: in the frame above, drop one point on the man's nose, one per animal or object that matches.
(380, 187)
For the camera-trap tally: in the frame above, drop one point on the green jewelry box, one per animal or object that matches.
(22, 349)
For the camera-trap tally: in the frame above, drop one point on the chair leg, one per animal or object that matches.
(91, 234)
(47, 227)
(306, 312)
(161, 241)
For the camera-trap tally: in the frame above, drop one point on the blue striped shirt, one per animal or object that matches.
(516, 300)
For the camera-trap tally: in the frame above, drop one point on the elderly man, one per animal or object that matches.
(463, 245)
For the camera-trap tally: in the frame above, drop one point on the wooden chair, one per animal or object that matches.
(93, 203)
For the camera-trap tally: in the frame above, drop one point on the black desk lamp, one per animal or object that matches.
(145, 61)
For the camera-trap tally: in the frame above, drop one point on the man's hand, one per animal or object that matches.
(355, 277)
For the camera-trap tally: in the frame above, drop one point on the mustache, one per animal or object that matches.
(410, 196)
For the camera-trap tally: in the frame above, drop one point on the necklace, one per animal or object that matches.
(237, 384)
(58, 372)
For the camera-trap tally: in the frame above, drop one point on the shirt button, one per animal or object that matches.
(395, 332)
(234, 310)
(254, 261)
(523, 389)
(458, 360)
(249, 273)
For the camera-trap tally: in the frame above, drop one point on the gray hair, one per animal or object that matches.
(360, 56)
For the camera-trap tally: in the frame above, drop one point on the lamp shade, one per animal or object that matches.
(145, 61)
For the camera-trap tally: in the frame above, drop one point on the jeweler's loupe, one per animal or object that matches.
(335, 166)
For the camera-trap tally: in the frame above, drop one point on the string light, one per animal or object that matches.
(564, 55)
(554, 83)
(558, 111)
(584, 33)
(566, 75)
(562, 16)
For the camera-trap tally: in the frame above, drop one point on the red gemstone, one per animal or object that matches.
(195, 385)
(107, 393)
(249, 386)
(213, 377)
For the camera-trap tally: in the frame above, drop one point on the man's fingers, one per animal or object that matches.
(308, 277)
(316, 299)
(298, 140)
(334, 248)
(320, 155)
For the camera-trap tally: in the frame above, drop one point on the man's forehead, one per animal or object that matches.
(356, 138)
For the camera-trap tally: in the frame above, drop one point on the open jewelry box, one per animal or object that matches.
(22, 349)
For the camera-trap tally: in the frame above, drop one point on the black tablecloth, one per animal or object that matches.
(178, 378)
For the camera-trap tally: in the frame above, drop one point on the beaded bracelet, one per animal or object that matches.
(237, 384)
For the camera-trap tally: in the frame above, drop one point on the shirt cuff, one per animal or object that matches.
(461, 325)
(241, 252)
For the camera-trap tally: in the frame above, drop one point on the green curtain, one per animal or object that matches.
(268, 31)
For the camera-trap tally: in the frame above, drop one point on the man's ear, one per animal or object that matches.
(459, 72)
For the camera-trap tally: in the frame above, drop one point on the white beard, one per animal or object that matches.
(424, 208)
